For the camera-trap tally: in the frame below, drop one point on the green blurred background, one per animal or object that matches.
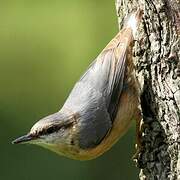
(44, 48)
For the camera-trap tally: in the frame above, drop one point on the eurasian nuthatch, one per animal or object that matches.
(100, 107)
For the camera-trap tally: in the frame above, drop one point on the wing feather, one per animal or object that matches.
(95, 97)
(106, 73)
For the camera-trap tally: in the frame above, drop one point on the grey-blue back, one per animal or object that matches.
(95, 97)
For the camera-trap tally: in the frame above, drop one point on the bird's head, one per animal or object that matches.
(56, 132)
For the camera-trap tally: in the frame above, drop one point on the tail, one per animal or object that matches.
(127, 33)
(132, 20)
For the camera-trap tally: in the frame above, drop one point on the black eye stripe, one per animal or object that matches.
(53, 129)
(49, 130)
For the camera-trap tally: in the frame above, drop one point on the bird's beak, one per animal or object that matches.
(23, 139)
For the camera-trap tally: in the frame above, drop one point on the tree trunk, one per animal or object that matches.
(157, 61)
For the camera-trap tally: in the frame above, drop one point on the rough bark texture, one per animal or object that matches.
(157, 61)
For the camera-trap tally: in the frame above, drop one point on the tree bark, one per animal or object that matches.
(157, 61)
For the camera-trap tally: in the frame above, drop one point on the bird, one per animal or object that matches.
(101, 105)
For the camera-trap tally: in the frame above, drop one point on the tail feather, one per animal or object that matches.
(132, 20)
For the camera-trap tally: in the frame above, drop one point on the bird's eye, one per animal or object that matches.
(51, 130)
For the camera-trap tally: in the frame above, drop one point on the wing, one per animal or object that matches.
(94, 121)
(96, 95)
(106, 73)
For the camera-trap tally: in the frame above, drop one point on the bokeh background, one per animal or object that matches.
(44, 48)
